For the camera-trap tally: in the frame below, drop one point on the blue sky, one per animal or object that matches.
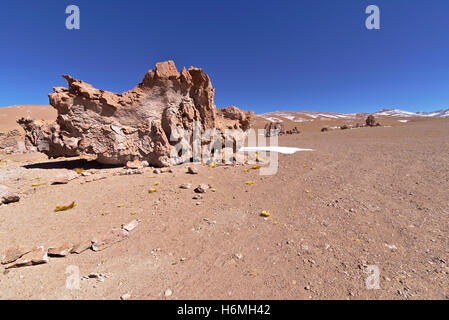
(261, 55)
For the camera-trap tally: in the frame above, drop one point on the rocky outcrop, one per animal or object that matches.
(142, 124)
(14, 142)
(370, 121)
(274, 129)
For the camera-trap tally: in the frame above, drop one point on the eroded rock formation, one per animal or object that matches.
(139, 124)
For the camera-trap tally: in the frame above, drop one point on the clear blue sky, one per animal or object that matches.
(261, 55)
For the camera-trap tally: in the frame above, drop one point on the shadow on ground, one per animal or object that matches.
(70, 164)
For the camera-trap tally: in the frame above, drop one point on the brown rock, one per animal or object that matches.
(137, 124)
(192, 170)
(64, 178)
(370, 121)
(136, 164)
(202, 188)
(60, 251)
(110, 238)
(37, 255)
(81, 247)
(12, 254)
(274, 129)
(7, 195)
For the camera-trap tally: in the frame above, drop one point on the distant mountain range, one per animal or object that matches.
(302, 116)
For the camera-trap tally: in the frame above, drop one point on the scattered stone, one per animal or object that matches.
(12, 254)
(391, 246)
(36, 256)
(60, 251)
(131, 225)
(110, 238)
(136, 164)
(157, 171)
(185, 186)
(168, 293)
(192, 170)
(324, 129)
(129, 172)
(126, 296)
(197, 196)
(239, 256)
(81, 246)
(64, 178)
(202, 188)
(7, 195)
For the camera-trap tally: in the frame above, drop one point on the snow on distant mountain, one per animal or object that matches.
(401, 113)
(302, 116)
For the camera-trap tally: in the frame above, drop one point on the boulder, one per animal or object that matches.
(145, 123)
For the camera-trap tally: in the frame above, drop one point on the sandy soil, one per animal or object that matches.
(369, 196)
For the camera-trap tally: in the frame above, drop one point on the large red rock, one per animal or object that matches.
(137, 124)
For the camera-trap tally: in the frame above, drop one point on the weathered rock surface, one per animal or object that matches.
(140, 124)
(12, 254)
(81, 247)
(36, 256)
(110, 238)
(14, 142)
(64, 178)
(61, 250)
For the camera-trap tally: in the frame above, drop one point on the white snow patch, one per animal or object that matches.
(403, 121)
(284, 150)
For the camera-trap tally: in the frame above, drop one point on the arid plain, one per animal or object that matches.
(368, 196)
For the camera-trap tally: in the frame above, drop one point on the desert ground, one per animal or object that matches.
(368, 196)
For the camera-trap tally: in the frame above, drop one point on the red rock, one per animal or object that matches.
(137, 124)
